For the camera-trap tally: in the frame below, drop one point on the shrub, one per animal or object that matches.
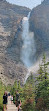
(28, 105)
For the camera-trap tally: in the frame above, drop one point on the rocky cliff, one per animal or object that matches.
(11, 67)
(39, 23)
(45, 2)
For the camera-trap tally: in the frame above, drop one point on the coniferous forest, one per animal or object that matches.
(34, 94)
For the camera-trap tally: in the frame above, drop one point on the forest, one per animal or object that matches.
(34, 95)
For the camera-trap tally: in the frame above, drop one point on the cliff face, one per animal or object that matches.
(45, 2)
(10, 41)
(39, 23)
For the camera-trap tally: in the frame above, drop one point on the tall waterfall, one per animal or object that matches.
(28, 47)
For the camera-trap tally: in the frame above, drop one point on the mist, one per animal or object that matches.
(28, 47)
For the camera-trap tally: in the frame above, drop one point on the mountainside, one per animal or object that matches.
(45, 2)
(10, 42)
(39, 23)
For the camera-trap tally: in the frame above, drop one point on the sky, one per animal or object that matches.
(28, 3)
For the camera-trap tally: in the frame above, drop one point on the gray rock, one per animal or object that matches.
(39, 23)
(10, 42)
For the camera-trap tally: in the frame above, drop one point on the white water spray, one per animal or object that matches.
(28, 47)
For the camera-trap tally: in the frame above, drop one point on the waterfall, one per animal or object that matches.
(28, 47)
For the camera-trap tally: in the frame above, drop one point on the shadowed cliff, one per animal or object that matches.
(39, 23)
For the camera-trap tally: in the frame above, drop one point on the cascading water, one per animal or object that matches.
(28, 47)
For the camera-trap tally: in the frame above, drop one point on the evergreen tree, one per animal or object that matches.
(42, 90)
(43, 74)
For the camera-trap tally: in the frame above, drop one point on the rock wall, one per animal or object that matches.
(10, 42)
(39, 23)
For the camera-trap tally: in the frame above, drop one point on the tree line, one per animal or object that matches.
(34, 94)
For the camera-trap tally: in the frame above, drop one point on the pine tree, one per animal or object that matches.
(44, 67)
(42, 89)
(43, 74)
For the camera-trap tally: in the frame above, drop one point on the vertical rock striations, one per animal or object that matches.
(10, 41)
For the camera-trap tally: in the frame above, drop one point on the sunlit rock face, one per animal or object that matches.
(39, 23)
(10, 40)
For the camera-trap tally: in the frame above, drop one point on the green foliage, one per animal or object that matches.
(30, 79)
(42, 89)
(28, 105)
(2, 89)
(43, 95)
(26, 93)
(33, 95)
(43, 74)
(14, 88)
(8, 88)
(34, 98)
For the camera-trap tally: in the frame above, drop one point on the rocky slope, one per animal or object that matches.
(39, 23)
(10, 42)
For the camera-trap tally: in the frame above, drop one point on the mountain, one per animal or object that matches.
(45, 2)
(11, 67)
(26, 3)
(39, 24)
